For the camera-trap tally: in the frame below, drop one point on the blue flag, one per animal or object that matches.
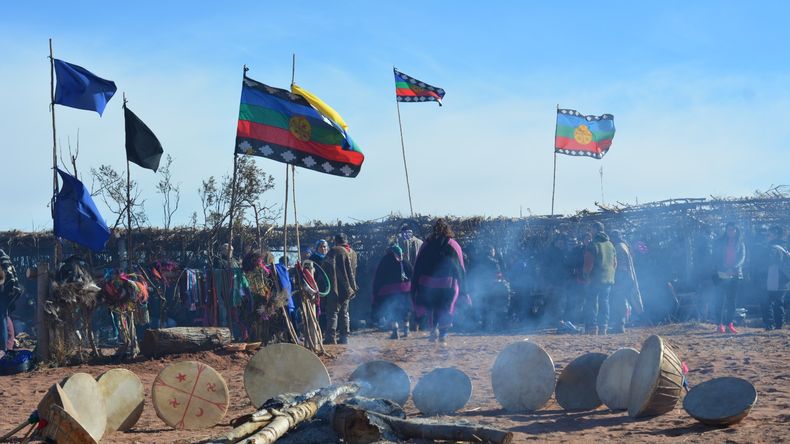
(76, 216)
(79, 88)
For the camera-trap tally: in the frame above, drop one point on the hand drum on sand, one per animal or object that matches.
(442, 391)
(657, 380)
(721, 401)
(523, 377)
(384, 380)
(190, 395)
(576, 384)
(86, 397)
(614, 378)
(283, 368)
(124, 397)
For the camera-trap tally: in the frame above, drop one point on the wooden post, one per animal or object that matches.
(57, 252)
(285, 216)
(42, 330)
(296, 219)
(129, 250)
(233, 189)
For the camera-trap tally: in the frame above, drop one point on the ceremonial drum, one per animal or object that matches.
(576, 384)
(63, 428)
(283, 368)
(720, 401)
(442, 391)
(190, 395)
(86, 397)
(614, 378)
(55, 396)
(383, 379)
(124, 397)
(523, 377)
(657, 380)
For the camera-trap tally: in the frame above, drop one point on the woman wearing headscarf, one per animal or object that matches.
(439, 277)
(392, 291)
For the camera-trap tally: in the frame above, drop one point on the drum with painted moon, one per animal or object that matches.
(523, 377)
(190, 395)
(85, 395)
(124, 397)
(614, 378)
(442, 391)
(283, 368)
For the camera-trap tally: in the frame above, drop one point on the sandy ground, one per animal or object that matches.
(758, 356)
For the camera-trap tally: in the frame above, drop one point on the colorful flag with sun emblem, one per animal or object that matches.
(282, 126)
(579, 135)
(409, 89)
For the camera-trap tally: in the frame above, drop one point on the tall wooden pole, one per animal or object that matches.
(601, 173)
(554, 178)
(57, 252)
(129, 251)
(403, 150)
(233, 186)
(296, 219)
(285, 216)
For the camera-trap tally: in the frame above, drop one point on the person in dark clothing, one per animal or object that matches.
(10, 290)
(729, 255)
(600, 262)
(558, 265)
(340, 266)
(777, 280)
(439, 277)
(392, 291)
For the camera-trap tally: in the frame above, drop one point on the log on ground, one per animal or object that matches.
(165, 341)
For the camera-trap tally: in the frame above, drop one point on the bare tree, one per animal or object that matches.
(112, 190)
(171, 194)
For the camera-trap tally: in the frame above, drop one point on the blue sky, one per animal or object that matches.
(698, 91)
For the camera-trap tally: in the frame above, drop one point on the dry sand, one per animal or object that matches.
(758, 356)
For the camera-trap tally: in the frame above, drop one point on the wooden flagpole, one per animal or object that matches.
(233, 186)
(128, 206)
(554, 178)
(293, 176)
(57, 251)
(403, 151)
(600, 171)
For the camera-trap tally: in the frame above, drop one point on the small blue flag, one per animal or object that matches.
(76, 216)
(79, 88)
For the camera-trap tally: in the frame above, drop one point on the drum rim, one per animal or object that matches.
(302, 350)
(417, 399)
(192, 362)
(572, 365)
(622, 351)
(139, 409)
(732, 419)
(532, 346)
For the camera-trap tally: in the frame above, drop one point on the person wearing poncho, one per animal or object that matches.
(439, 278)
(392, 290)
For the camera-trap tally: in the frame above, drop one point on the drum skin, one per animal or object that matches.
(523, 377)
(614, 378)
(86, 397)
(575, 389)
(442, 391)
(721, 401)
(124, 397)
(283, 368)
(383, 380)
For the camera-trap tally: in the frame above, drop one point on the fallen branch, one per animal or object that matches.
(357, 426)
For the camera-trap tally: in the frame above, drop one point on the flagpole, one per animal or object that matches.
(601, 173)
(554, 178)
(128, 205)
(403, 150)
(57, 251)
(233, 189)
(293, 177)
(285, 216)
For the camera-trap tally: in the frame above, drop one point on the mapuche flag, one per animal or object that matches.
(142, 146)
(409, 89)
(79, 88)
(579, 135)
(282, 126)
(76, 216)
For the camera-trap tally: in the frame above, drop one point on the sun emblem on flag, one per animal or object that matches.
(582, 135)
(417, 89)
(300, 128)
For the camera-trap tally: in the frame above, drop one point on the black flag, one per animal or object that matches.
(142, 146)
